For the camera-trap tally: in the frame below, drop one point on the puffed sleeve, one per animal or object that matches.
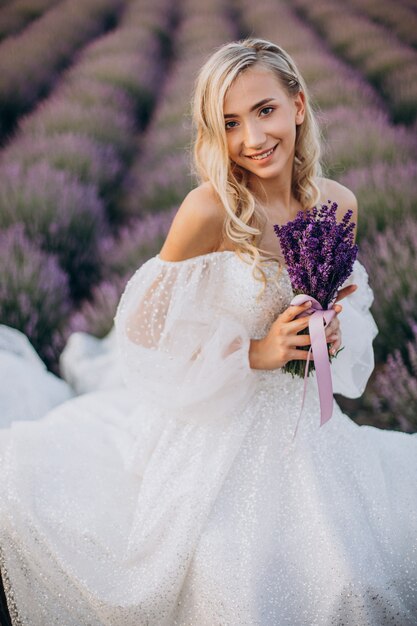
(353, 366)
(179, 347)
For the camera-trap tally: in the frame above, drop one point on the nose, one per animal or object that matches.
(254, 137)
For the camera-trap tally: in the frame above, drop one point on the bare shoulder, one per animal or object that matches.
(343, 196)
(197, 226)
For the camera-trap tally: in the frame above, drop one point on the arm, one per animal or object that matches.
(178, 346)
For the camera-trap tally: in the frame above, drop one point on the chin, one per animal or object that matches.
(263, 175)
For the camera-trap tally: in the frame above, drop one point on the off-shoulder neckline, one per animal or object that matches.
(199, 257)
(195, 258)
(203, 256)
(216, 252)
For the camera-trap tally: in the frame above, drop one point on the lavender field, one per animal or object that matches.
(95, 135)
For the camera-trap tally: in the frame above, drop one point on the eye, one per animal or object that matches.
(264, 109)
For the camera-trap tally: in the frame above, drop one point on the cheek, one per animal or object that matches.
(233, 147)
(287, 136)
(286, 127)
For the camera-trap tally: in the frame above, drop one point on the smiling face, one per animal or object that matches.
(260, 116)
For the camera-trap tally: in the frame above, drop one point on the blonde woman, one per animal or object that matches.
(180, 500)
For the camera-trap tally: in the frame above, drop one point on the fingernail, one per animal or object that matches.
(308, 303)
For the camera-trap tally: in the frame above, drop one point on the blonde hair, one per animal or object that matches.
(210, 153)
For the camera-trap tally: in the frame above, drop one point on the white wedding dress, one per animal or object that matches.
(177, 497)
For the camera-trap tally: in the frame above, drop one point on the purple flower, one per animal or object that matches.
(319, 251)
(34, 292)
(397, 410)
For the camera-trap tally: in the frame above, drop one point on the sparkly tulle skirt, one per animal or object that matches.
(112, 514)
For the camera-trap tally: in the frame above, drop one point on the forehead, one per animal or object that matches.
(249, 87)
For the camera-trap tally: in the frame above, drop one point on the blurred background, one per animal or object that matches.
(95, 135)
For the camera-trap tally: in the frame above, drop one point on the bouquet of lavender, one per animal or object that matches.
(319, 253)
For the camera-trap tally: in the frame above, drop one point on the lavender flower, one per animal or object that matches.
(135, 243)
(61, 215)
(319, 253)
(29, 61)
(390, 258)
(397, 410)
(96, 315)
(34, 292)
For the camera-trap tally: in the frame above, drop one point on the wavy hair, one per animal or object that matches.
(244, 213)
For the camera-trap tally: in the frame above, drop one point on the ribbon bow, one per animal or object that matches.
(321, 361)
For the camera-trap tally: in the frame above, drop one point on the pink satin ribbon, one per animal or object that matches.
(321, 360)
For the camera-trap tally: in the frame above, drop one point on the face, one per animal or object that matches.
(270, 125)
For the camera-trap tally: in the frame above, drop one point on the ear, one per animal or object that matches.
(300, 107)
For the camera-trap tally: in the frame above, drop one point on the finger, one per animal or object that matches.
(343, 293)
(295, 326)
(293, 310)
(334, 347)
(332, 329)
(299, 340)
(332, 326)
(333, 339)
(300, 355)
(305, 339)
(346, 291)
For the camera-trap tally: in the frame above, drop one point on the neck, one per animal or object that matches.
(277, 199)
(275, 194)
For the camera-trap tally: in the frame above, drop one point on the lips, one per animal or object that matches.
(262, 155)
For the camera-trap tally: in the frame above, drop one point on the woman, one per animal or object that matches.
(182, 499)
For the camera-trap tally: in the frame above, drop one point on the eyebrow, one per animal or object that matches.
(255, 106)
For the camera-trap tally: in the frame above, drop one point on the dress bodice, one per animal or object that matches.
(242, 292)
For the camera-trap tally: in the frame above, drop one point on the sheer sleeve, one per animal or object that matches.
(353, 366)
(178, 346)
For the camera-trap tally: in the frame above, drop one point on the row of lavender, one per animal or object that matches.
(378, 161)
(17, 15)
(401, 18)
(387, 62)
(31, 60)
(61, 172)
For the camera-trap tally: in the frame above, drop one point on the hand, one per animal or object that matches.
(281, 343)
(332, 330)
